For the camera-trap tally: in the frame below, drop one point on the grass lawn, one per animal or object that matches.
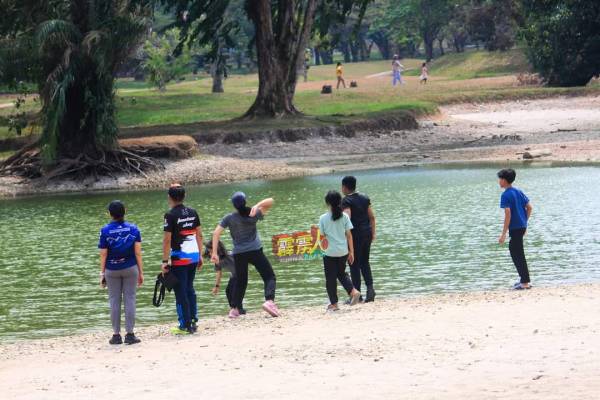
(478, 64)
(472, 76)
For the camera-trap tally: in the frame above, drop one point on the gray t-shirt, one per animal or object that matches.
(243, 231)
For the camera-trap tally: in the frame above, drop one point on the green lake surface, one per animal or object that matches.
(437, 232)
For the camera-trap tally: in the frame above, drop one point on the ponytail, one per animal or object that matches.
(244, 210)
(334, 200)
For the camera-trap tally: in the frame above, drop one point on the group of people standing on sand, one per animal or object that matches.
(348, 228)
(397, 69)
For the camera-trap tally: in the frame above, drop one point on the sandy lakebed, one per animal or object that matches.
(537, 344)
(562, 129)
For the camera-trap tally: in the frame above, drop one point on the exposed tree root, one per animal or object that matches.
(28, 163)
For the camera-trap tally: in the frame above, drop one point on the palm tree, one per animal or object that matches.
(79, 54)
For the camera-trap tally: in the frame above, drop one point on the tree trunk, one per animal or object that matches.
(346, 52)
(441, 45)
(317, 56)
(368, 50)
(383, 44)
(354, 50)
(217, 77)
(279, 46)
(428, 42)
(217, 69)
(327, 57)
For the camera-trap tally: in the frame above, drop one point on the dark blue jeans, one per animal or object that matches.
(185, 295)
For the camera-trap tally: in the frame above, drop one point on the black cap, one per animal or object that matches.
(116, 209)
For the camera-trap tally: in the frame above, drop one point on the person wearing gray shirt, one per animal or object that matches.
(247, 249)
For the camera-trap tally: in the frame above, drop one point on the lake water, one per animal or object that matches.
(437, 232)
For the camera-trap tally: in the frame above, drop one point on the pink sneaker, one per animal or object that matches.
(234, 313)
(270, 307)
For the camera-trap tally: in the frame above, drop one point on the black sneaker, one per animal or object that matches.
(194, 327)
(116, 339)
(130, 338)
(242, 311)
(370, 294)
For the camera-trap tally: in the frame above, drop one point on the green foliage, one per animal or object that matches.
(160, 61)
(564, 40)
(494, 23)
(75, 49)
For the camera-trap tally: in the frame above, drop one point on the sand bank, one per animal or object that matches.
(538, 344)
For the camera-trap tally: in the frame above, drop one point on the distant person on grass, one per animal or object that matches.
(397, 69)
(517, 210)
(121, 269)
(339, 72)
(424, 74)
(358, 207)
(336, 228)
(182, 242)
(226, 263)
(247, 249)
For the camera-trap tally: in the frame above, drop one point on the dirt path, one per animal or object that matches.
(541, 344)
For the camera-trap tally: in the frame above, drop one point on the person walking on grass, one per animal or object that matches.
(358, 207)
(227, 264)
(517, 211)
(424, 74)
(339, 72)
(182, 242)
(121, 269)
(335, 227)
(247, 249)
(397, 69)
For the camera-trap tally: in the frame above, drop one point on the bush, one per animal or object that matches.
(564, 40)
(161, 63)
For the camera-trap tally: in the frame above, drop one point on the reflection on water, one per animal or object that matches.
(437, 231)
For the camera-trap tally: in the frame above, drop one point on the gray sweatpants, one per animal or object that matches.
(122, 284)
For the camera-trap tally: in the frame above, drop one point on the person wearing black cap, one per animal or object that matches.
(182, 242)
(121, 269)
(247, 249)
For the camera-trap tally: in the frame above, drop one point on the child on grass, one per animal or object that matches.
(424, 74)
(517, 210)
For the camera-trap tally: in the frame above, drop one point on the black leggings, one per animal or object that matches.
(335, 269)
(264, 268)
(229, 290)
(517, 253)
(361, 265)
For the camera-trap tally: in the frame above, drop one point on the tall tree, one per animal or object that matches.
(494, 23)
(77, 48)
(282, 31)
(563, 38)
(431, 17)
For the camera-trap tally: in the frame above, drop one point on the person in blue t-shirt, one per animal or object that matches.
(517, 210)
(121, 269)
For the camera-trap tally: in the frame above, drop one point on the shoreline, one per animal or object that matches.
(495, 345)
(561, 129)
